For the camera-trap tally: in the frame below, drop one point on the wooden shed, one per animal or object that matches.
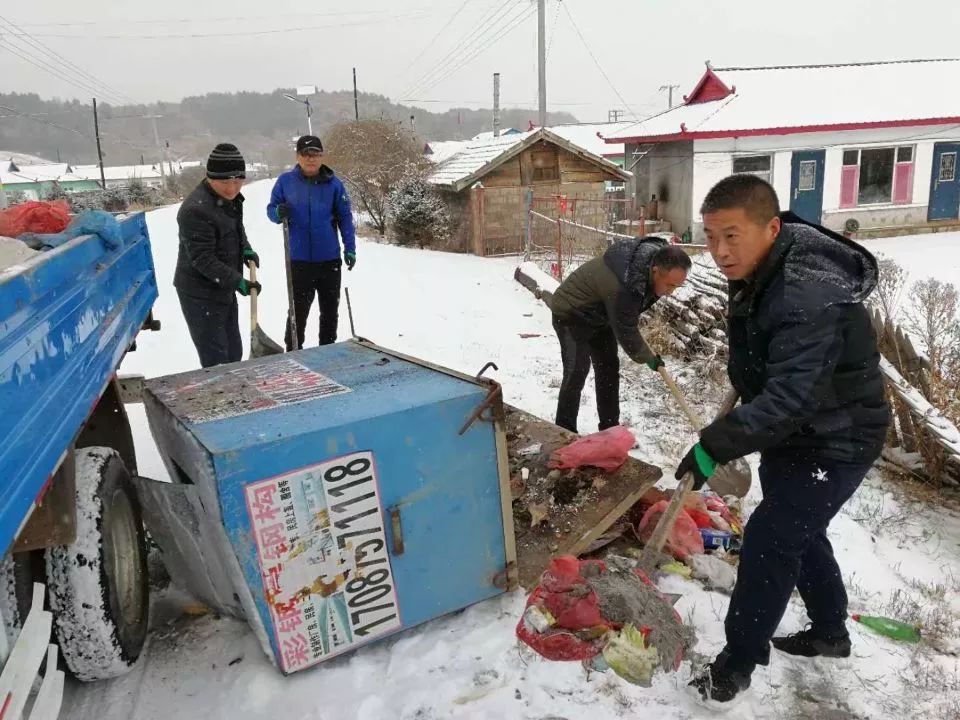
(486, 185)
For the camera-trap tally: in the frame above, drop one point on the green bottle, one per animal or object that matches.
(891, 628)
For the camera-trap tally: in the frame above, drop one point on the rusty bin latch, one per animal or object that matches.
(396, 530)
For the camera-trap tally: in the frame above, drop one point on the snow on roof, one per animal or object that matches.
(481, 156)
(442, 150)
(473, 156)
(488, 135)
(118, 172)
(591, 136)
(22, 158)
(801, 98)
(14, 174)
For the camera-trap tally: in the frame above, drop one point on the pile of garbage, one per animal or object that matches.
(608, 615)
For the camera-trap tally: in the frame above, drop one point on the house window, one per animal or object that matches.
(759, 165)
(877, 176)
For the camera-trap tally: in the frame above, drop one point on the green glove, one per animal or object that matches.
(699, 462)
(249, 254)
(656, 363)
(350, 259)
(246, 286)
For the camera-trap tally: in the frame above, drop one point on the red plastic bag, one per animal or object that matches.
(607, 450)
(559, 587)
(37, 217)
(684, 539)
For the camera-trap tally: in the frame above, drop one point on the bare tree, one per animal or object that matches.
(889, 290)
(934, 317)
(372, 156)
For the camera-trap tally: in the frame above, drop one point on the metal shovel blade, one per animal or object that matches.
(261, 344)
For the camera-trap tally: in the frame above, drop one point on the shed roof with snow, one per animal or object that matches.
(783, 100)
(13, 174)
(480, 157)
(590, 136)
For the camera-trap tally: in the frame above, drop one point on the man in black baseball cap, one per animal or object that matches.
(213, 251)
(315, 205)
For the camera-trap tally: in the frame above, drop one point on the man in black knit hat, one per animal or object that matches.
(213, 251)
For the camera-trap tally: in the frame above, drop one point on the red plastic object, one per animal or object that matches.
(35, 217)
(701, 518)
(607, 450)
(558, 588)
(684, 539)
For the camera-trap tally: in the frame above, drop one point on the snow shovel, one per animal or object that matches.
(734, 479)
(291, 313)
(261, 344)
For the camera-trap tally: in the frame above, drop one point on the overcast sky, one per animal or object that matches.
(442, 53)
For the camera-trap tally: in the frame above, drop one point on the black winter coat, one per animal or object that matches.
(803, 354)
(613, 290)
(212, 243)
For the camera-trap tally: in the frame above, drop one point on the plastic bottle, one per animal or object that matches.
(891, 628)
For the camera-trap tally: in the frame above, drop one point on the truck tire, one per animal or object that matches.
(98, 586)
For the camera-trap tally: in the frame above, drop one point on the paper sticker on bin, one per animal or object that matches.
(370, 499)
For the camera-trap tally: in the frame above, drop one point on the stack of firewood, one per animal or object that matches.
(694, 317)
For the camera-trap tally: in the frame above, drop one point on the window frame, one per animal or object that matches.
(762, 174)
(896, 149)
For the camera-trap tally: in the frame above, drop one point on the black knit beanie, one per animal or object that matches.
(226, 163)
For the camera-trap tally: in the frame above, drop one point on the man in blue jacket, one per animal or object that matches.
(316, 206)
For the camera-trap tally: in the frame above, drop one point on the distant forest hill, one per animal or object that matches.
(260, 124)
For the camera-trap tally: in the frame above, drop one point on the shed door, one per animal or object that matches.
(944, 184)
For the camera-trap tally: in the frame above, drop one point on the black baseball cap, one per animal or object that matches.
(309, 143)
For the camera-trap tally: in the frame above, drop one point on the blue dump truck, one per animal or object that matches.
(69, 513)
(331, 496)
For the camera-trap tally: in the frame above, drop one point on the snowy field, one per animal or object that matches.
(898, 557)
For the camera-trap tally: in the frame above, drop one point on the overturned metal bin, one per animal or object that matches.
(332, 496)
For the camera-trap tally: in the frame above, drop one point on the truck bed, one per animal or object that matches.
(67, 317)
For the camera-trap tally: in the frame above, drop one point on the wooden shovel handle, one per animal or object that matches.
(253, 295)
(651, 551)
(681, 401)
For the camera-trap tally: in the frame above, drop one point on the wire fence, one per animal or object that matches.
(563, 232)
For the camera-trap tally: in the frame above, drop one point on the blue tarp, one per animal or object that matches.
(90, 222)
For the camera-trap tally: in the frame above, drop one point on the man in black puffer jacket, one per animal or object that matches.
(804, 359)
(599, 306)
(213, 251)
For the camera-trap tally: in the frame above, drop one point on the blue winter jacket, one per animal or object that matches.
(318, 207)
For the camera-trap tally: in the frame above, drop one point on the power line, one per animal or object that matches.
(48, 68)
(72, 68)
(481, 40)
(553, 30)
(200, 20)
(429, 44)
(379, 20)
(596, 61)
(482, 26)
(517, 22)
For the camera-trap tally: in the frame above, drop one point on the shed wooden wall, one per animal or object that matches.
(492, 220)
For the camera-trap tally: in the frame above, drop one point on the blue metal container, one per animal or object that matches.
(357, 493)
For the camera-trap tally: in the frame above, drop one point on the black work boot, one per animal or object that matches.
(723, 680)
(808, 643)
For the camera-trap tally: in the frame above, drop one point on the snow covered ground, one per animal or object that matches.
(899, 557)
(923, 256)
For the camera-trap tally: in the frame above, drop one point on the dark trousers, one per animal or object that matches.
(580, 347)
(214, 328)
(785, 546)
(321, 279)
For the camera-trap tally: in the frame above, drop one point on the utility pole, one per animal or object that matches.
(156, 137)
(96, 130)
(542, 52)
(496, 105)
(356, 105)
(669, 89)
(413, 125)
